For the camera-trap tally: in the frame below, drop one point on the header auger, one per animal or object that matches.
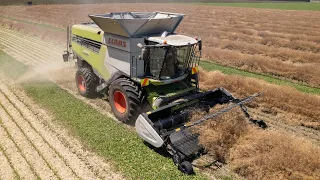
(149, 74)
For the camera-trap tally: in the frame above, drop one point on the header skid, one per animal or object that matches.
(138, 24)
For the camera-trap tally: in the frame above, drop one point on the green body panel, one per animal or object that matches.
(88, 32)
(94, 59)
(168, 90)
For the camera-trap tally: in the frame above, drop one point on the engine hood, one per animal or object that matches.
(174, 40)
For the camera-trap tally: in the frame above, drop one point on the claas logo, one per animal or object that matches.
(117, 42)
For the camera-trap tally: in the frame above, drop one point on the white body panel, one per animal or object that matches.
(121, 51)
(147, 133)
(118, 59)
(174, 40)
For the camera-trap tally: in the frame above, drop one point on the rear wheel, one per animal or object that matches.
(125, 99)
(86, 82)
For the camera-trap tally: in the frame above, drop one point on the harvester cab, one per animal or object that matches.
(149, 74)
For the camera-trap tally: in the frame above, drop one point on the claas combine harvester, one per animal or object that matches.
(149, 74)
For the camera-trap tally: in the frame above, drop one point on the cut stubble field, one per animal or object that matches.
(32, 146)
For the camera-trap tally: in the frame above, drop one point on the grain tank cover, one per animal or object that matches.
(137, 24)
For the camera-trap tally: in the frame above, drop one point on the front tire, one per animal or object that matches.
(86, 82)
(125, 99)
(186, 167)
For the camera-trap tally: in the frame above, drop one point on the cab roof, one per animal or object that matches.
(174, 40)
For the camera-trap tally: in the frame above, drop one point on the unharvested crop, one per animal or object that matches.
(219, 135)
(258, 154)
(274, 155)
(282, 101)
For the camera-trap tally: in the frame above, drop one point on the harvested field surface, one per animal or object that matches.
(33, 147)
(287, 121)
(280, 43)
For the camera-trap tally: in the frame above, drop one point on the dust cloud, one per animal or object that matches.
(58, 72)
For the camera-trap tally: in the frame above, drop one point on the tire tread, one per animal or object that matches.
(134, 95)
(91, 81)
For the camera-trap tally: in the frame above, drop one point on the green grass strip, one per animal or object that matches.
(102, 134)
(270, 5)
(211, 66)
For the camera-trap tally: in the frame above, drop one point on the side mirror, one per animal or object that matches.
(200, 44)
(144, 54)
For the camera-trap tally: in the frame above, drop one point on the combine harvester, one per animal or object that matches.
(149, 74)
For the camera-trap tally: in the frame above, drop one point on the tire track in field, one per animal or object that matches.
(23, 42)
(43, 136)
(11, 48)
(12, 44)
(52, 45)
(13, 151)
(26, 45)
(44, 53)
(34, 41)
(39, 156)
(75, 146)
(7, 171)
(92, 161)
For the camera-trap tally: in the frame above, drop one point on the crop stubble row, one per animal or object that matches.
(33, 147)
